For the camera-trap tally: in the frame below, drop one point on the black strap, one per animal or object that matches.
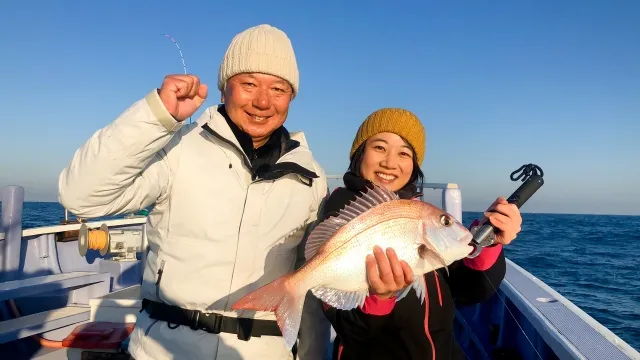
(211, 322)
(528, 170)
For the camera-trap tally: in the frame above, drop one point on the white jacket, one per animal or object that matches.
(215, 234)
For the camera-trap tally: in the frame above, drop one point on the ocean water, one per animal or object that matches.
(593, 260)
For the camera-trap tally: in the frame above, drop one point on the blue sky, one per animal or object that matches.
(497, 84)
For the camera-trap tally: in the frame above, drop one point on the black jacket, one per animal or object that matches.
(401, 334)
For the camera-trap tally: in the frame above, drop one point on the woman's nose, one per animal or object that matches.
(389, 162)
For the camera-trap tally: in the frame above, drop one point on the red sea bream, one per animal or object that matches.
(421, 234)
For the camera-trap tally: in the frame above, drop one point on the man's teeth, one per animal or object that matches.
(386, 177)
(258, 118)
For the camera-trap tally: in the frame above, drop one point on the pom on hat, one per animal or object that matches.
(394, 120)
(262, 49)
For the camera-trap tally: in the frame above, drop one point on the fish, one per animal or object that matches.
(423, 235)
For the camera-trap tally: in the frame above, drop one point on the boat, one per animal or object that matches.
(69, 291)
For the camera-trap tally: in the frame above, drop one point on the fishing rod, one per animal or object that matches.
(184, 66)
(532, 178)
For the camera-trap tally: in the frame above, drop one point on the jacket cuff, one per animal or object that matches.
(373, 305)
(161, 113)
(487, 256)
(485, 259)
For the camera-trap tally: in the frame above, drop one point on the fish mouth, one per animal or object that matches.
(467, 240)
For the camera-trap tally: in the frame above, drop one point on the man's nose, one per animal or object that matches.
(261, 100)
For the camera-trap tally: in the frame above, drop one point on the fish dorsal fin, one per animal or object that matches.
(366, 200)
(321, 234)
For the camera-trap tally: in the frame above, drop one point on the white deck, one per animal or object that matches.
(119, 306)
(41, 284)
(42, 322)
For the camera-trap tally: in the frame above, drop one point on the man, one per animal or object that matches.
(232, 194)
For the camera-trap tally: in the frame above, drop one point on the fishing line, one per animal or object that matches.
(512, 315)
(483, 236)
(97, 240)
(184, 66)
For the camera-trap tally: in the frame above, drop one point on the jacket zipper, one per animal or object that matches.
(245, 159)
(235, 257)
(247, 163)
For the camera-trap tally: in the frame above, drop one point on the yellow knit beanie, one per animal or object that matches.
(262, 49)
(394, 120)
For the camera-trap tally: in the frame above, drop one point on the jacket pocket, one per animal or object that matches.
(159, 279)
(195, 274)
(284, 215)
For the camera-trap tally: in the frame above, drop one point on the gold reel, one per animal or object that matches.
(94, 239)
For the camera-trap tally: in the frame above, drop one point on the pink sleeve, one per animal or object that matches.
(487, 257)
(373, 305)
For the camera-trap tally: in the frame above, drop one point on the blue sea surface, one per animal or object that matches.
(592, 260)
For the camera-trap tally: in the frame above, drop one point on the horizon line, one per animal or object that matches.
(463, 210)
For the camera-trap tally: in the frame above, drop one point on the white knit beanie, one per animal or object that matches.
(262, 49)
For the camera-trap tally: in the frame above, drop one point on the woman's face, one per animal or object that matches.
(387, 161)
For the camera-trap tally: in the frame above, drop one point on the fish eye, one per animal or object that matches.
(446, 220)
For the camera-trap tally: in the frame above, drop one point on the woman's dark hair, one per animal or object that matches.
(417, 176)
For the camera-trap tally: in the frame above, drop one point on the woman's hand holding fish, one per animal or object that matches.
(386, 274)
(506, 218)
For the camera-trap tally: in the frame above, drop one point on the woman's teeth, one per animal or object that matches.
(386, 177)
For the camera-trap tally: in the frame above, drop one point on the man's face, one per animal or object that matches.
(257, 103)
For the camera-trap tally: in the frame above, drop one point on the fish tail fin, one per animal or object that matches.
(283, 299)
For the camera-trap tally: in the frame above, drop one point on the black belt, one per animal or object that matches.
(211, 322)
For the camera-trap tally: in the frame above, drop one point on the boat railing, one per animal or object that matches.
(44, 263)
(451, 200)
(569, 331)
(53, 229)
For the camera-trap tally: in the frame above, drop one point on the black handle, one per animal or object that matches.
(524, 192)
(484, 235)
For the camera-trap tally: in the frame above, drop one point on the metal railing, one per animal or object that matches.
(451, 200)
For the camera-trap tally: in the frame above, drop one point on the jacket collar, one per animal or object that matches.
(295, 156)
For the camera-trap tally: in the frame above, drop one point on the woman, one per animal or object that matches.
(388, 150)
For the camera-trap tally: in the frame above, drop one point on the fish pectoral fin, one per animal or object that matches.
(342, 300)
(402, 293)
(419, 285)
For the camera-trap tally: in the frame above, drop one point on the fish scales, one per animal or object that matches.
(350, 262)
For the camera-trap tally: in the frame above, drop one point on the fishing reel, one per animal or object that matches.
(94, 239)
(532, 177)
(120, 244)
